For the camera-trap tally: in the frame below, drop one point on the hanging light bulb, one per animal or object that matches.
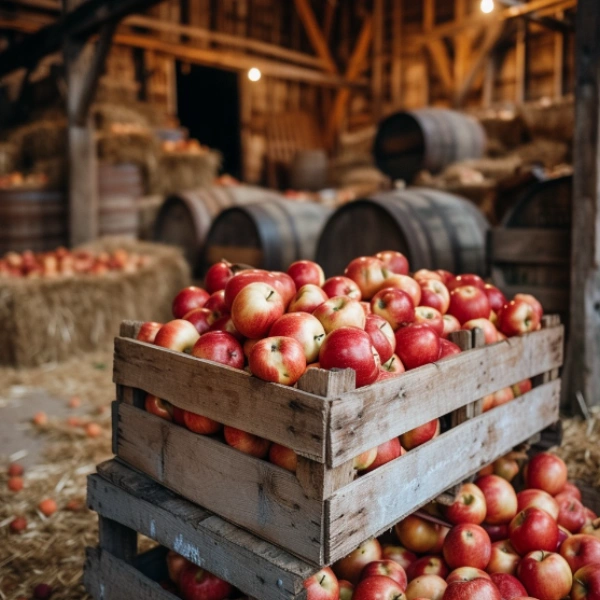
(254, 74)
(487, 6)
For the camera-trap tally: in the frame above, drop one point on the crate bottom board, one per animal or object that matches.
(156, 448)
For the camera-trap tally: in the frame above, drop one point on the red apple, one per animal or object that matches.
(430, 316)
(220, 347)
(546, 472)
(305, 329)
(417, 534)
(572, 490)
(466, 574)
(350, 348)
(533, 302)
(216, 304)
(451, 324)
(240, 280)
(446, 276)
(398, 554)
(201, 319)
(545, 575)
(500, 499)
(188, 299)
(423, 275)
(386, 568)
(490, 333)
(148, 331)
(475, 589)
(278, 359)
(177, 335)
(427, 565)
(338, 312)
(363, 461)
(217, 276)
(448, 348)
(304, 272)
(395, 306)
(431, 587)
(283, 457)
(497, 533)
(571, 513)
(436, 295)
(563, 534)
(285, 285)
(200, 424)
(382, 336)
(592, 528)
(495, 296)
(466, 280)
(533, 529)
(521, 388)
(346, 590)
(386, 452)
(395, 262)
(307, 299)
(586, 583)
(417, 345)
(368, 273)
(517, 317)
(323, 585)
(158, 407)
(538, 499)
(421, 434)
(246, 442)
(225, 324)
(366, 306)
(467, 545)
(175, 564)
(468, 303)
(350, 567)
(378, 587)
(506, 467)
(393, 365)
(581, 550)
(508, 586)
(178, 415)
(406, 284)
(468, 507)
(503, 559)
(590, 516)
(197, 584)
(342, 286)
(255, 308)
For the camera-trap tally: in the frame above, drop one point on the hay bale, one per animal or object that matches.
(550, 119)
(55, 171)
(184, 171)
(49, 320)
(548, 153)
(106, 115)
(41, 140)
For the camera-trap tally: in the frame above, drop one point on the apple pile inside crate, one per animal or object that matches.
(357, 408)
(492, 543)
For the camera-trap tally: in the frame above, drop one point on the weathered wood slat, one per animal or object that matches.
(375, 414)
(109, 578)
(256, 567)
(284, 415)
(530, 246)
(254, 494)
(402, 486)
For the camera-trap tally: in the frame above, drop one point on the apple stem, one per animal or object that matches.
(270, 294)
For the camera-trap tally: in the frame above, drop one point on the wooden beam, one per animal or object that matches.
(353, 70)
(489, 81)
(377, 59)
(462, 44)
(315, 35)
(492, 36)
(330, 8)
(559, 63)
(436, 48)
(396, 70)
(521, 64)
(583, 364)
(536, 17)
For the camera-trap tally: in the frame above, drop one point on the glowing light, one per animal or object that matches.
(487, 6)
(254, 74)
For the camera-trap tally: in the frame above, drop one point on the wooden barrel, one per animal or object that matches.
(119, 187)
(434, 229)
(269, 235)
(185, 218)
(431, 138)
(32, 220)
(531, 251)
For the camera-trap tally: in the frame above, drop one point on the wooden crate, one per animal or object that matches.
(323, 512)
(129, 503)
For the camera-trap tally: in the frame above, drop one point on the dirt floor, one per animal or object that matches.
(58, 455)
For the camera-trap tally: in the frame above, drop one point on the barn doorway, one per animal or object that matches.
(208, 106)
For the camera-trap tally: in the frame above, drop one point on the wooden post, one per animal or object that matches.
(83, 168)
(521, 66)
(489, 81)
(559, 61)
(583, 363)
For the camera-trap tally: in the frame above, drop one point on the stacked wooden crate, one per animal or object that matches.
(323, 511)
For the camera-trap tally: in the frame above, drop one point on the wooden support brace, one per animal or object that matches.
(117, 539)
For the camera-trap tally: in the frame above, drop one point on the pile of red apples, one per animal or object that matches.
(492, 543)
(66, 263)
